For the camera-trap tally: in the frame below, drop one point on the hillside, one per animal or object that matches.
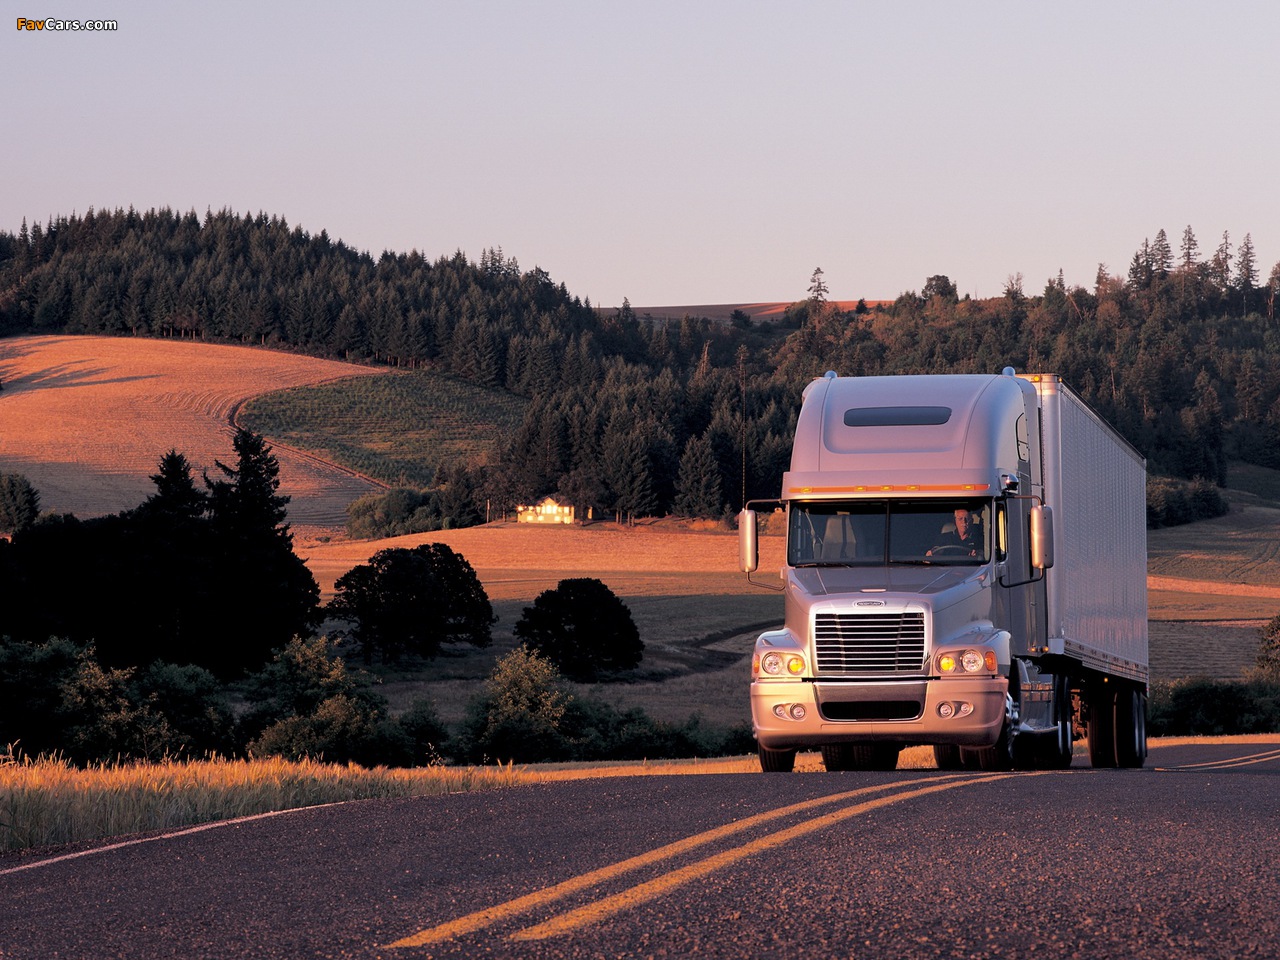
(86, 419)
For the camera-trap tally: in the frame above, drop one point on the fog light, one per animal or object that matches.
(966, 709)
(946, 710)
(790, 711)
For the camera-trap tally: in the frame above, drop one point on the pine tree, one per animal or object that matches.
(1246, 273)
(246, 503)
(176, 497)
(698, 489)
(19, 503)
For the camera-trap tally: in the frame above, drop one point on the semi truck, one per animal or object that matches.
(965, 569)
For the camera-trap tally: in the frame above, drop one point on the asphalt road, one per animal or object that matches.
(1178, 860)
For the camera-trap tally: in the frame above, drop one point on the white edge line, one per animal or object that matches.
(199, 828)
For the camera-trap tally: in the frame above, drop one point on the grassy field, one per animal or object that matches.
(698, 618)
(397, 428)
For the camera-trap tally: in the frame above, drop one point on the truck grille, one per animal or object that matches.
(875, 643)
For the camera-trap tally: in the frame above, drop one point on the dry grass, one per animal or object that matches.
(47, 802)
(87, 419)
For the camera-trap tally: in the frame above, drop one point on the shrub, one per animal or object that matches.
(32, 676)
(1199, 706)
(194, 706)
(1268, 667)
(519, 715)
(1173, 502)
(425, 736)
(340, 729)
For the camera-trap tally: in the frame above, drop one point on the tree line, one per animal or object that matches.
(633, 416)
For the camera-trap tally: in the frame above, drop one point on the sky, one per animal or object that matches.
(690, 152)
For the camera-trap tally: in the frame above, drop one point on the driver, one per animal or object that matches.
(965, 536)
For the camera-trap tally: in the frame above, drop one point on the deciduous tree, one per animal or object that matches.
(583, 628)
(414, 601)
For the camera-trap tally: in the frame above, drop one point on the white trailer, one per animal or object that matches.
(966, 568)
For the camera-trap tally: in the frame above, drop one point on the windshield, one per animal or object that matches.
(874, 532)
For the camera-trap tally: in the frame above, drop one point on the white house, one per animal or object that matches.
(548, 510)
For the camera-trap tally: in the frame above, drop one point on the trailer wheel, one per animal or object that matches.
(1131, 727)
(860, 756)
(776, 761)
(1102, 726)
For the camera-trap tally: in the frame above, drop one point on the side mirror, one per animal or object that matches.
(1042, 537)
(748, 545)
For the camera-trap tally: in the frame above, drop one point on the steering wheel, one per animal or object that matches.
(951, 548)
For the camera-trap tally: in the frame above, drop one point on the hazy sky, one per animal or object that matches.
(671, 153)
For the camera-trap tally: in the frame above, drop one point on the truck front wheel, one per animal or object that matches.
(860, 756)
(776, 761)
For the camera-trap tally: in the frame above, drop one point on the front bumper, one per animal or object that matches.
(897, 711)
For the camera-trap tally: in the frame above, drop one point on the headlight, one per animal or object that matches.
(775, 664)
(972, 660)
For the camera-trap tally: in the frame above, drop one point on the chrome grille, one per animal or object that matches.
(876, 643)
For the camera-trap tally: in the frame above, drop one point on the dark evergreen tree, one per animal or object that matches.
(19, 503)
(698, 487)
(270, 595)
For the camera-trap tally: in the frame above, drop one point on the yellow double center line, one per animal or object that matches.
(607, 906)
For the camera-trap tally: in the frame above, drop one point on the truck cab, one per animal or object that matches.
(918, 592)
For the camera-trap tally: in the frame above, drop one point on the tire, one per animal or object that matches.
(1059, 750)
(1130, 727)
(776, 761)
(996, 756)
(947, 756)
(1102, 726)
(860, 756)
